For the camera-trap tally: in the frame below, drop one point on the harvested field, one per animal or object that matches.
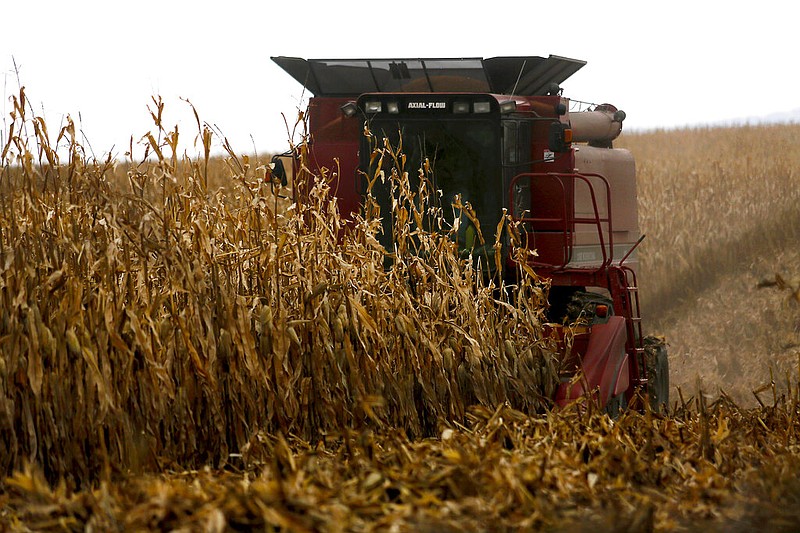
(707, 467)
(184, 348)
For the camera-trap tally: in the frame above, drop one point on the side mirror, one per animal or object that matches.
(278, 170)
(560, 139)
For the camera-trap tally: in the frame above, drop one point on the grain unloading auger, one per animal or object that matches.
(500, 134)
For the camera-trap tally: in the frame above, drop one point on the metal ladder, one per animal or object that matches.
(634, 322)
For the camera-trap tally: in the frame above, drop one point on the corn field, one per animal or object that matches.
(710, 198)
(719, 207)
(152, 320)
(188, 345)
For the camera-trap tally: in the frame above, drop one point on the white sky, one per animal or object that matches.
(667, 63)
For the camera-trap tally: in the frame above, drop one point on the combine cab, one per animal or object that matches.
(499, 133)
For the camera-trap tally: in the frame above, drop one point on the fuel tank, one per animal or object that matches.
(598, 127)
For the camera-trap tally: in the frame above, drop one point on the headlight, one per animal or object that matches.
(349, 109)
(460, 107)
(482, 107)
(509, 106)
(373, 106)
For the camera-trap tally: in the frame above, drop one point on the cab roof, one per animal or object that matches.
(519, 75)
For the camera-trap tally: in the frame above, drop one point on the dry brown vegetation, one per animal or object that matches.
(154, 320)
(705, 468)
(184, 348)
(719, 207)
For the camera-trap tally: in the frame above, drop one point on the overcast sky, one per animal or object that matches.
(667, 64)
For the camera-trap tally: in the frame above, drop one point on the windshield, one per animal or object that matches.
(464, 159)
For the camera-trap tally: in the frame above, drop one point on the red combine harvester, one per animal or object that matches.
(499, 133)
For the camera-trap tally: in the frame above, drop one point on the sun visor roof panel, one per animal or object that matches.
(352, 77)
(529, 76)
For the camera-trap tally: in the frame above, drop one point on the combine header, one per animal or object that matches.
(499, 133)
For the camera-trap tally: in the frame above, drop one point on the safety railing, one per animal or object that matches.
(565, 223)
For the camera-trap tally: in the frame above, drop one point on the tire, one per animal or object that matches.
(655, 352)
(616, 406)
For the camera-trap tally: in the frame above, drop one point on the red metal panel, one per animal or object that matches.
(604, 367)
(334, 146)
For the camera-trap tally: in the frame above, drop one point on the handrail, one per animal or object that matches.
(635, 245)
(568, 222)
